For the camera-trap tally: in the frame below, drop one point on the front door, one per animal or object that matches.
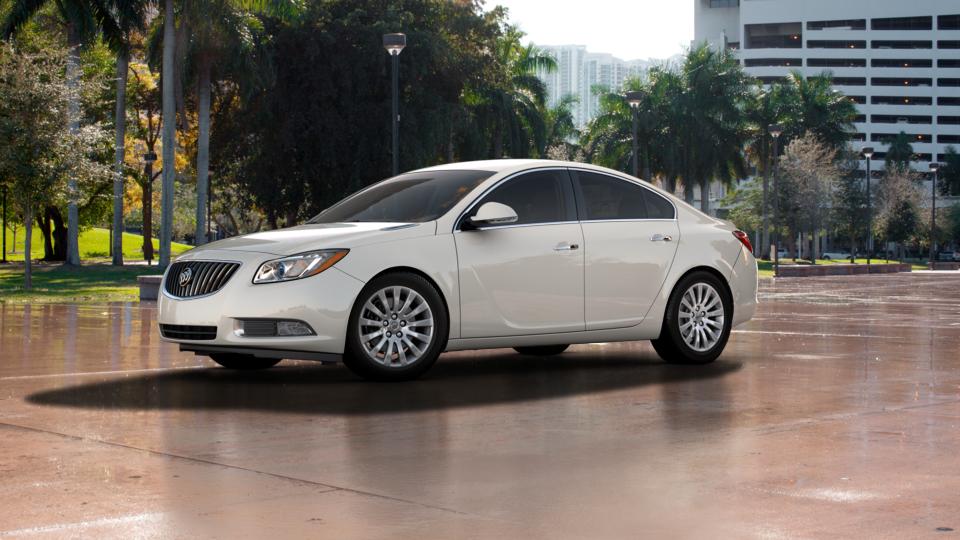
(525, 277)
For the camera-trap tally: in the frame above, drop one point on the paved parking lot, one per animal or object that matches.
(834, 414)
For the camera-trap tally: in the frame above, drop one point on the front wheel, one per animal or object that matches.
(397, 329)
(697, 323)
(243, 361)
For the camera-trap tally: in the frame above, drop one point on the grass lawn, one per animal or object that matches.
(96, 281)
(94, 244)
(766, 267)
(54, 282)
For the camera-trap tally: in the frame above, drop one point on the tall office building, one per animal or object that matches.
(899, 60)
(579, 72)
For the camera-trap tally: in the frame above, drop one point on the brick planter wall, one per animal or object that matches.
(945, 266)
(809, 270)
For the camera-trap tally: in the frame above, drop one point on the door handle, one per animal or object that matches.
(565, 247)
(661, 238)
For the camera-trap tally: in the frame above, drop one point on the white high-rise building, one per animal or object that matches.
(899, 60)
(579, 72)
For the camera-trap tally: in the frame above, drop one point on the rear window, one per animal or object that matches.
(415, 197)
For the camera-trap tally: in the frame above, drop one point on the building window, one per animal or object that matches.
(900, 119)
(949, 63)
(901, 81)
(774, 36)
(846, 24)
(949, 120)
(860, 100)
(948, 139)
(948, 44)
(858, 137)
(949, 101)
(889, 137)
(836, 62)
(902, 23)
(771, 62)
(948, 22)
(733, 45)
(900, 63)
(901, 100)
(948, 82)
(835, 44)
(860, 118)
(849, 81)
(901, 44)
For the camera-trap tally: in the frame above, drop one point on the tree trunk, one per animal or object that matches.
(498, 140)
(147, 210)
(169, 134)
(120, 129)
(73, 113)
(203, 149)
(765, 225)
(61, 234)
(43, 222)
(28, 237)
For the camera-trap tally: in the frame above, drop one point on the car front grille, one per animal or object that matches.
(198, 278)
(183, 331)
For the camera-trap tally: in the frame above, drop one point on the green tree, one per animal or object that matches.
(949, 174)
(898, 217)
(39, 150)
(83, 20)
(808, 169)
(849, 202)
(899, 153)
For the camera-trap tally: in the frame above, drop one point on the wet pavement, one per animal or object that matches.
(834, 414)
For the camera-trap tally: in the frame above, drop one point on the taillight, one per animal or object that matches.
(744, 239)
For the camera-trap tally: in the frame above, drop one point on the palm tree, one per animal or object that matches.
(712, 133)
(609, 137)
(820, 109)
(221, 33)
(513, 107)
(561, 128)
(767, 106)
(899, 153)
(84, 20)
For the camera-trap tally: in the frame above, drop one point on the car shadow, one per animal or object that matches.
(457, 380)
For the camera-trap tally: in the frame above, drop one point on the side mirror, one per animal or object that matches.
(492, 213)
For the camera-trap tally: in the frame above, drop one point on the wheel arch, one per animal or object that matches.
(424, 275)
(727, 290)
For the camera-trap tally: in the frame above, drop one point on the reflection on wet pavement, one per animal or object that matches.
(835, 413)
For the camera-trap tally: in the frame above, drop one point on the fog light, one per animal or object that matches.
(293, 328)
(254, 328)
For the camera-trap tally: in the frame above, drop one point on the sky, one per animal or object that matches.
(628, 29)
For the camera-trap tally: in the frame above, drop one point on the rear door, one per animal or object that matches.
(630, 238)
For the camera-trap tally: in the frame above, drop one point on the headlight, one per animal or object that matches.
(298, 266)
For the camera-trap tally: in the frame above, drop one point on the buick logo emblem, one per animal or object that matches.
(185, 277)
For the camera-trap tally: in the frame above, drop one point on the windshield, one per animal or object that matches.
(409, 198)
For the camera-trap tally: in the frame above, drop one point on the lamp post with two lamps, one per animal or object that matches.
(394, 43)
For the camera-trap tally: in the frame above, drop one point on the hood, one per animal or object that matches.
(319, 236)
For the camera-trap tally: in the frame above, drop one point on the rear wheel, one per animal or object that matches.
(697, 323)
(542, 350)
(397, 329)
(243, 361)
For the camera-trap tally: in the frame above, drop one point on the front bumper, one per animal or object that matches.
(323, 301)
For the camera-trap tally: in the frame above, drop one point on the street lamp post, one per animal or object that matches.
(634, 98)
(934, 168)
(148, 160)
(394, 43)
(868, 154)
(775, 131)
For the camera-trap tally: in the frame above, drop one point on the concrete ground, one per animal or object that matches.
(834, 414)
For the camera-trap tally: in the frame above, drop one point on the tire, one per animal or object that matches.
(243, 362)
(672, 345)
(542, 350)
(826, 257)
(394, 351)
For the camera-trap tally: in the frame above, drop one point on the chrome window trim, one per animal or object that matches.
(635, 182)
(498, 184)
(163, 282)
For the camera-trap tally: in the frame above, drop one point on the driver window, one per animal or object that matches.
(536, 197)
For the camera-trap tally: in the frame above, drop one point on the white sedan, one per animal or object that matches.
(529, 254)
